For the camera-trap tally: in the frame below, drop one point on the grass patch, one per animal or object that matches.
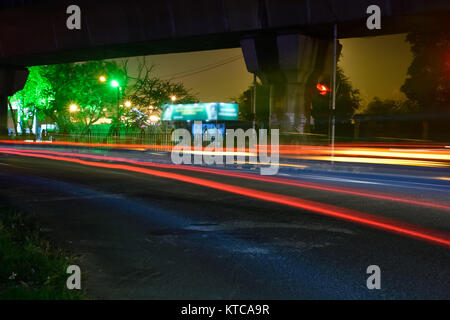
(31, 268)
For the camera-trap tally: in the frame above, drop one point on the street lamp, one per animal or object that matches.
(154, 118)
(173, 98)
(115, 84)
(127, 103)
(102, 79)
(73, 108)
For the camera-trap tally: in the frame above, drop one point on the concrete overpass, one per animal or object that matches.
(285, 42)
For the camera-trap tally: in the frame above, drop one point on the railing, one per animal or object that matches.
(142, 139)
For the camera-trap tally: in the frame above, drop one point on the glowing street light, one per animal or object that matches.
(73, 108)
(154, 118)
(127, 103)
(102, 79)
(115, 84)
(173, 98)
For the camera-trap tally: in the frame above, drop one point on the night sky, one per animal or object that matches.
(377, 66)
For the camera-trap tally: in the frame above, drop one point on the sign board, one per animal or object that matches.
(200, 112)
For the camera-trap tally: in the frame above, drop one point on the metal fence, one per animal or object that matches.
(134, 139)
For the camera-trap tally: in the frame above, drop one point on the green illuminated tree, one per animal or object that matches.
(79, 84)
(51, 90)
(96, 89)
(35, 97)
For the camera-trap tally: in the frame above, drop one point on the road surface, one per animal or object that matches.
(171, 233)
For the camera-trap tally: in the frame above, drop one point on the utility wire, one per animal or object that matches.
(204, 68)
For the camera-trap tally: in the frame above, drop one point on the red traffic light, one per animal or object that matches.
(323, 89)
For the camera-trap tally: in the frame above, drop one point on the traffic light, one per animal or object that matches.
(246, 106)
(321, 108)
(323, 89)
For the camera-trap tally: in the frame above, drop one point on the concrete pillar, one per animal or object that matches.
(292, 64)
(11, 81)
(3, 116)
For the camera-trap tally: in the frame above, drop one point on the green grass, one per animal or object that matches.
(31, 268)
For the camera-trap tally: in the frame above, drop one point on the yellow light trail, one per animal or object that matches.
(420, 154)
(219, 153)
(270, 164)
(402, 162)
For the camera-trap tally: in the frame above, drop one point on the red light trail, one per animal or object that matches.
(249, 176)
(320, 208)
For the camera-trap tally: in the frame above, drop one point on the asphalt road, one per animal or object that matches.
(143, 236)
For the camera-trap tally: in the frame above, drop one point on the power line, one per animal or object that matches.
(204, 68)
(211, 68)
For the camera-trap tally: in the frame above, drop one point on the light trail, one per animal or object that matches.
(91, 145)
(219, 153)
(397, 153)
(375, 154)
(249, 176)
(320, 208)
(383, 155)
(272, 164)
(401, 162)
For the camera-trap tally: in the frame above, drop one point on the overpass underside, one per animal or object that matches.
(286, 43)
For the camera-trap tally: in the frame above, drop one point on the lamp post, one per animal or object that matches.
(173, 98)
(115, 84)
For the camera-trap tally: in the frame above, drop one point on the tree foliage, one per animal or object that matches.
(347, 97)
(36, 95)
(147, 94)
(78, 83)
(388, 107)
(348, 101)
(148, 90)
(51, 90)
(428, 81)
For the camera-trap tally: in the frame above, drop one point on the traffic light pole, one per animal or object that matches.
(333, 91)
(254, 101)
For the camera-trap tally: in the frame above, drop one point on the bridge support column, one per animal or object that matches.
(292, 64)
(3, 116)
(11, 81)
